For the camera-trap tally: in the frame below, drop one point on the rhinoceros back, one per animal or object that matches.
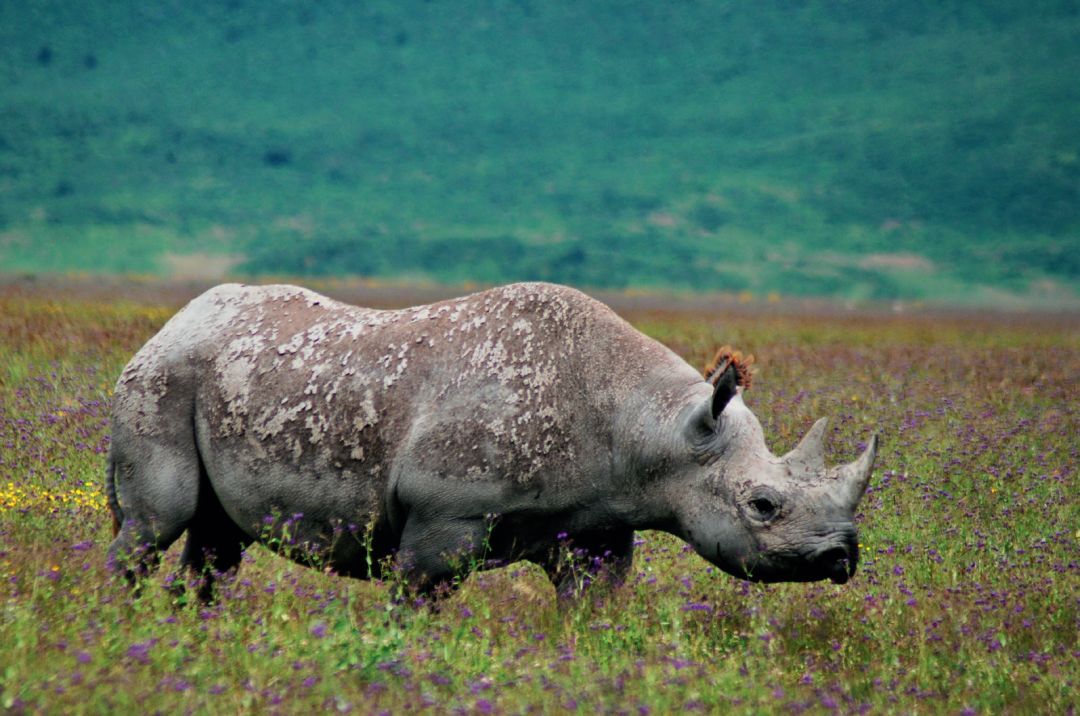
(300, 403)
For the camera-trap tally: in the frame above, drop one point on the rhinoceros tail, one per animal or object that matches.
(110, 494)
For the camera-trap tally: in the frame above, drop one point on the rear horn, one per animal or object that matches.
(809, 454)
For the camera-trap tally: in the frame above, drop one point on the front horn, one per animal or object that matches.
(855, 476)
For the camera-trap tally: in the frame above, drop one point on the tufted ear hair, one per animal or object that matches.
(728, 370)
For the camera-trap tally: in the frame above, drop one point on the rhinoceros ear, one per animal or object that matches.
(725, 386)
(701, 428)
(702, 421)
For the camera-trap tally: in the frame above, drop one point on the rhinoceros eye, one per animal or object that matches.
(765, 508)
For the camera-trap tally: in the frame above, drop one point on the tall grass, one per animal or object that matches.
(966, 601)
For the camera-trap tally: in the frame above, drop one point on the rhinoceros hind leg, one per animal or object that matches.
(215, 544)
(588, 557)
(134, 552)
(156, 484)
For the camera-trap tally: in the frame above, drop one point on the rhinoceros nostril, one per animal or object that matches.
(830, 556)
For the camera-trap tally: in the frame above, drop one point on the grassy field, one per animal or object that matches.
(966, 602)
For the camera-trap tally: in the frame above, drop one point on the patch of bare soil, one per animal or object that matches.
(901, 261)
(200, 266)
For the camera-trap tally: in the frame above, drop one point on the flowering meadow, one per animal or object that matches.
(967, 599)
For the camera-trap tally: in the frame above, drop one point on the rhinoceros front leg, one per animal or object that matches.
(587, 557)
(437, 552)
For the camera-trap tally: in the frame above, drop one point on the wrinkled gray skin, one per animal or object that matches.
(480, 426)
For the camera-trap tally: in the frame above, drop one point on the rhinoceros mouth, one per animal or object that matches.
(837, 564)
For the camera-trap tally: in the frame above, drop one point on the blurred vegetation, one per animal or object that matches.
(860, 150)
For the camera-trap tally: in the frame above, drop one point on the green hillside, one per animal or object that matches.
(861, 150)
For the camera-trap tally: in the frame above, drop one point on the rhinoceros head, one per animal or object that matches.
(762, 517)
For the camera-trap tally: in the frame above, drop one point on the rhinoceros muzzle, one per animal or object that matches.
(835, 561)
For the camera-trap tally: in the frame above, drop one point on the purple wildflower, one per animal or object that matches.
(696, 607)
(140, 651)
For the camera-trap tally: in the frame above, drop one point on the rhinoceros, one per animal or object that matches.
(503, 425)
